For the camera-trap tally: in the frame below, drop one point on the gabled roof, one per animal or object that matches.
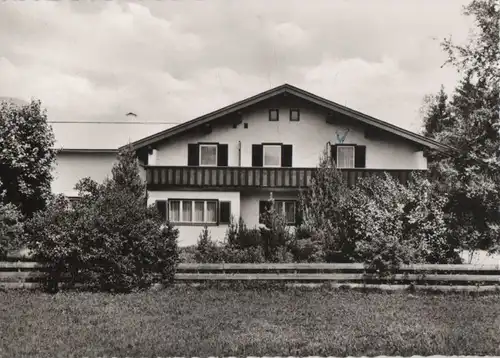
(300, 93)
(87, 150)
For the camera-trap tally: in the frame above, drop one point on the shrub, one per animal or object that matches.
(187, 254)
(247, 255)
(274, 233)
(110, 240)
(326, 208)
(207, 250)
(11, 229)
(396, 224)
(238, 235)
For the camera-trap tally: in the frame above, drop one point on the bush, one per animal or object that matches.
(327, 207)
(379, 222)
(206, 250)
(110, 240)
(187, 254)
(275, 235)
(396, 224)
(238, 235)
(11, 229)
(235, 255)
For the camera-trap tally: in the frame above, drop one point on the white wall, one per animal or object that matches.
(188, 234)
(309, 137)
(71, 167)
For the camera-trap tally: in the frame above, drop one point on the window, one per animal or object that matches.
(271, 155)
(284, 207)
(274, 115)
(345, 156)
(294, 115)
(208, 154)
(192, 211)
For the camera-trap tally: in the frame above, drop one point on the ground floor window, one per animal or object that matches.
(285, 207)
(192, 211)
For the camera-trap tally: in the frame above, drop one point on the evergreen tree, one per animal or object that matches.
(471, 175)
(437, 117)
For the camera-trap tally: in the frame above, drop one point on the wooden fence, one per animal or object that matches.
(19, 274)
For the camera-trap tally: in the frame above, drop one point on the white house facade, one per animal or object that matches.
(227, 163)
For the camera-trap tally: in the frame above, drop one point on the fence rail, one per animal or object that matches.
(29, 274)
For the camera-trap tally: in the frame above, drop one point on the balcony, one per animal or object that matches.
(174, 177)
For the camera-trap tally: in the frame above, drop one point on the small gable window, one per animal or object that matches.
(208, 154)
(274, 115)
(294, 115)
(272, 155)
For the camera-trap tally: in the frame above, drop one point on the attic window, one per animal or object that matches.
(274, 115)
(294, 115)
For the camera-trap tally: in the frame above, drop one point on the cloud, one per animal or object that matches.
(174, 60)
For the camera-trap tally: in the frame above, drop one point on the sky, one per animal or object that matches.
(171, 61)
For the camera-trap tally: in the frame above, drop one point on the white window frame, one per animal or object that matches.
(353, 156)
(205, 211)
(216, 154)
(264, 146)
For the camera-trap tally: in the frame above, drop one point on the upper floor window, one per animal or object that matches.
(271, 155)
(274, 115)
(345, 156)
(208, 154)
(349, 155)
(294, 115)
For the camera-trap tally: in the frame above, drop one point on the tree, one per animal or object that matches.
(26, 156)
(437, 115)
(325, 210)
(110, 240)
(471, 175)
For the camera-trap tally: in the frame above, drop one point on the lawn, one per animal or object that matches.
(239, 322)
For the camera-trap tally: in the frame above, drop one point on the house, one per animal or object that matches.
(227, 163)
(74, 164)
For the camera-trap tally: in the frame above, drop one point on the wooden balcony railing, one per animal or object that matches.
(167, 177)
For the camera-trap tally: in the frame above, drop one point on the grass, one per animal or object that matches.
(183, 321)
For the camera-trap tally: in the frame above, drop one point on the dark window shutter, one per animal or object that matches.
(222, 155)
(257, 159)
(224, 212)
(286, 155)
(360, 156)
(333, 154)
(193, 155)
(161, 205)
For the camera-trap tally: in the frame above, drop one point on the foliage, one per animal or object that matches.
(26, 156)
(206, 250)
(110, 240)
(471, 173)
(437, 116)
(275, 235)
(326, 213)
(11, 228)
(397, 224)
